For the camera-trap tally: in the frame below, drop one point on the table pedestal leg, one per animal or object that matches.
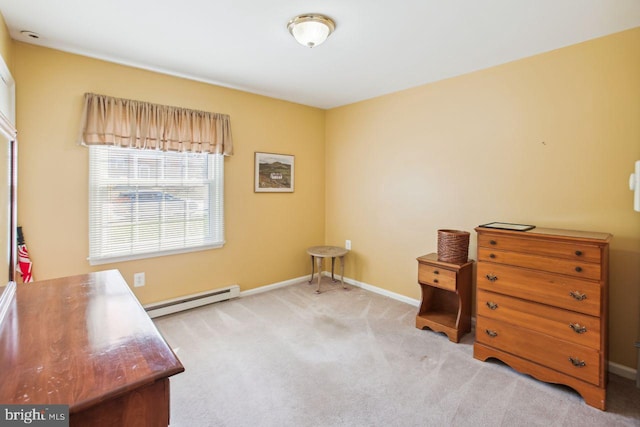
(333, 262)
(319, 262)
(312, 267)
(342, 271)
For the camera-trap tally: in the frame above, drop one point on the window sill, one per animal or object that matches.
(111, 260)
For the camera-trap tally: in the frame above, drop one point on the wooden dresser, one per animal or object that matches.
(86, 342)
(542, 305)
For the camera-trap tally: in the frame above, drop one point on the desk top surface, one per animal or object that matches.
(79, 341)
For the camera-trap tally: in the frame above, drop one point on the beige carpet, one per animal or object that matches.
(289, 357)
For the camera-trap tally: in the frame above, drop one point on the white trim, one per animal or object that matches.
(7, 128)
(111, 260)
(273, 286)
(6, 298)
(371, 288)
(377, 290)
(10, 84)
(623, 371)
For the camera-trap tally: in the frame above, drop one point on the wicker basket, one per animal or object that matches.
(453, 246)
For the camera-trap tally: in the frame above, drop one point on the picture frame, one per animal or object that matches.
(508, 226)
(274, 173)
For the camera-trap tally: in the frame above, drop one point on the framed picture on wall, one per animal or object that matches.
(274, 173)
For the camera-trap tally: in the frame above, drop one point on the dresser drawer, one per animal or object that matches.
(567, 325)
(569, 358)
(552, 289)
(436, 276)
(573, 251)
(537, 262)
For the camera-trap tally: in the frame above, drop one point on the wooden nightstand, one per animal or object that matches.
(446, 296)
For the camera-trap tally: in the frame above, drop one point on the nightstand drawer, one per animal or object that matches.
(556, 265)
(571, 359)
(436, 276)
(553, 289)
(563, 324)
(574, 251)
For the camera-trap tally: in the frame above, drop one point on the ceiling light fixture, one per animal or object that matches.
(311, 30)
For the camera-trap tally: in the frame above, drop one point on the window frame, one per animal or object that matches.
(216, 209)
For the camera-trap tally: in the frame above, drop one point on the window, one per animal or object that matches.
(146, 203)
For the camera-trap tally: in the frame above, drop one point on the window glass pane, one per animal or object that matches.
(147, 203)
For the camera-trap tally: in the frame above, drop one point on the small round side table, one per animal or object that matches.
(318, 253)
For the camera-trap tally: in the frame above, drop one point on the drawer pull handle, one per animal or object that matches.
(492, 305)
(436, 272)
(577, 328)
(435, 280)
(578, 253)
(577, 362)
(492, 255)
(491, 277)
(579, 269)
(493, 242)
(578, 296)
(491, 333)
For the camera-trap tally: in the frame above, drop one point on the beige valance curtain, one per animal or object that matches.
(126, 123)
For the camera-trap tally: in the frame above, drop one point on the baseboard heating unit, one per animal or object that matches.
(191, 301)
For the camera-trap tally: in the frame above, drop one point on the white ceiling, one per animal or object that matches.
(379, 46)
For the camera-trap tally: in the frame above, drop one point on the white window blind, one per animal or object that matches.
(145, 203)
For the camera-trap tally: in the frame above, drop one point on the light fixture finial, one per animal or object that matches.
(311, 29)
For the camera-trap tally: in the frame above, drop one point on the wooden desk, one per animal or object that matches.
(319, 253)
(85, 341)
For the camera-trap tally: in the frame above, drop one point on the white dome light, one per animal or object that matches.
(311, 30)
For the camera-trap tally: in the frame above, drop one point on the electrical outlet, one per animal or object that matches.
(347, 244)
(138, 280)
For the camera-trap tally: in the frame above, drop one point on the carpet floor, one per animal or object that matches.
(290, 357)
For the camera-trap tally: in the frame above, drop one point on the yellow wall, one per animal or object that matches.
(266, 233)
(548, 140)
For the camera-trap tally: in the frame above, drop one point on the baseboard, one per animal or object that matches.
(366, 286)
(380, 291)
(622, 371)
(273, 286)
